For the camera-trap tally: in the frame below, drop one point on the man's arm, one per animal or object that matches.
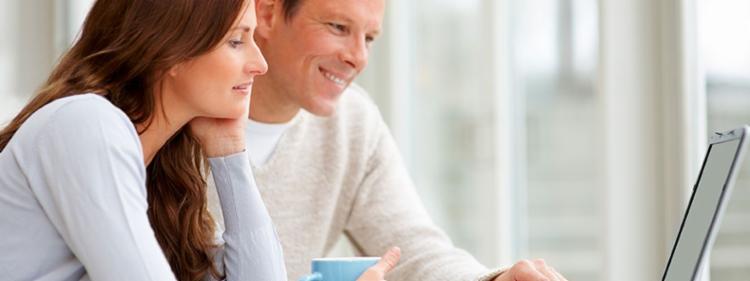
(388, 212)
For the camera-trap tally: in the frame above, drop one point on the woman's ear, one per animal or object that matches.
(174, 70)
(265, 11)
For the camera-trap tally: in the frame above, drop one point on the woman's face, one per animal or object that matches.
(218, 84)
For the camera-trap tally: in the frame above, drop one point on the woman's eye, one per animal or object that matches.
(235, 43)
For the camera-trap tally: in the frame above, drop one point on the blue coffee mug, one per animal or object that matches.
(339, 269)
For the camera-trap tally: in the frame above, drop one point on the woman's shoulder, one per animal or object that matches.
(80, 111)
(79, 108)
(88, 118)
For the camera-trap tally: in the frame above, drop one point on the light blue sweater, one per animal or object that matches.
(73, 203)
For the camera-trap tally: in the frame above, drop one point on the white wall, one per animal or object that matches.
(26, 51)
(33, 33)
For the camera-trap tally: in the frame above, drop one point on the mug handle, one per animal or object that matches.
(312, 277)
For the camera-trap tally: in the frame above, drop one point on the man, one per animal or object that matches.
(324, 159)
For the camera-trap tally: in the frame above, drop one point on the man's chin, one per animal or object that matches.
(323, 109)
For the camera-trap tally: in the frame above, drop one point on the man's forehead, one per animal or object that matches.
(365, 12)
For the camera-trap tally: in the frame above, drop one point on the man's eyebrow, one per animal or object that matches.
(348, 20)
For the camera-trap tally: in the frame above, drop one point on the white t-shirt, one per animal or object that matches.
(262, 139)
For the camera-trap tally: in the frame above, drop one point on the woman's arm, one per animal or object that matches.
(94, 193)
(251, 247)
(252, 250)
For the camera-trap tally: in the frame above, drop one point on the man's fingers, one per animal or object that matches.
(531, 270)
(542, 267)
(388, 261)
(526, 271)
(560, 276)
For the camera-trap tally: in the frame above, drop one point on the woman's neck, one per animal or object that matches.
(164, 122)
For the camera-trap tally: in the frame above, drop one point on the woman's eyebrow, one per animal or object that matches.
(244, 28)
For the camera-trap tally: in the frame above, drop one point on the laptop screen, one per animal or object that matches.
(702, 211)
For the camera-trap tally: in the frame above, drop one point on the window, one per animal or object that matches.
(444, 103)
(555, 46)
(443, 114)
(726, 54)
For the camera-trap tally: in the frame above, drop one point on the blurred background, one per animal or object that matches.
(571, 130)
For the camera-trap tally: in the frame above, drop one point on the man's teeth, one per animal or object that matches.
(334, 78)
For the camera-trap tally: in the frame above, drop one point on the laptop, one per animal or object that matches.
(703, 215)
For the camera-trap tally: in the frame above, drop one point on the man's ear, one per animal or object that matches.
(265, 11)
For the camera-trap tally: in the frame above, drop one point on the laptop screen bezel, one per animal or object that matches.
(719, 138)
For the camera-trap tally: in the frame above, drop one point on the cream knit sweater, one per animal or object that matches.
(343, 175)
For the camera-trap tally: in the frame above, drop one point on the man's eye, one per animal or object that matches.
(337, 27)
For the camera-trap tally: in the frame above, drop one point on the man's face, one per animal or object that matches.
(314, 55)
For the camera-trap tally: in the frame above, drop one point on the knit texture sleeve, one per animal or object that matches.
(251, 250)
(388, 212)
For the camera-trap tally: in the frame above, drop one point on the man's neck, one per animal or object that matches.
(269, 106)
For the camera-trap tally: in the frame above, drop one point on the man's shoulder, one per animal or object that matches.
(356, 104)
(357, 120)
(356, 108)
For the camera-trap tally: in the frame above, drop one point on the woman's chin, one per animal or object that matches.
(236, 113)
(226, 110)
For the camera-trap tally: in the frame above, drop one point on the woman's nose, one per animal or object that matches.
(256, 64)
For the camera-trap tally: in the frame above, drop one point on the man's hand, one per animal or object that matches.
(536, 270)
(387, 262)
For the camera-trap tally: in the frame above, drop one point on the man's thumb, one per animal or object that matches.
(388, 261)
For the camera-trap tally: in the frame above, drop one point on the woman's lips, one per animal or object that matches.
(243, 88)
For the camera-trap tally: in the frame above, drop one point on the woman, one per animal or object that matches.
(101, 173)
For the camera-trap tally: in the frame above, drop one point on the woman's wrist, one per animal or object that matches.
(219, 147)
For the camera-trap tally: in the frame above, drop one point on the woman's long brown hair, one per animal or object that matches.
(124, 49)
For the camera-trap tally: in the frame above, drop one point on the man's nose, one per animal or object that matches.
(356, 53)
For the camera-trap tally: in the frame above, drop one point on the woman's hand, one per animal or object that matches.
(387, 262)
(219, 137)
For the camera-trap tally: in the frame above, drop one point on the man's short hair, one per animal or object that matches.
(290, 8)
